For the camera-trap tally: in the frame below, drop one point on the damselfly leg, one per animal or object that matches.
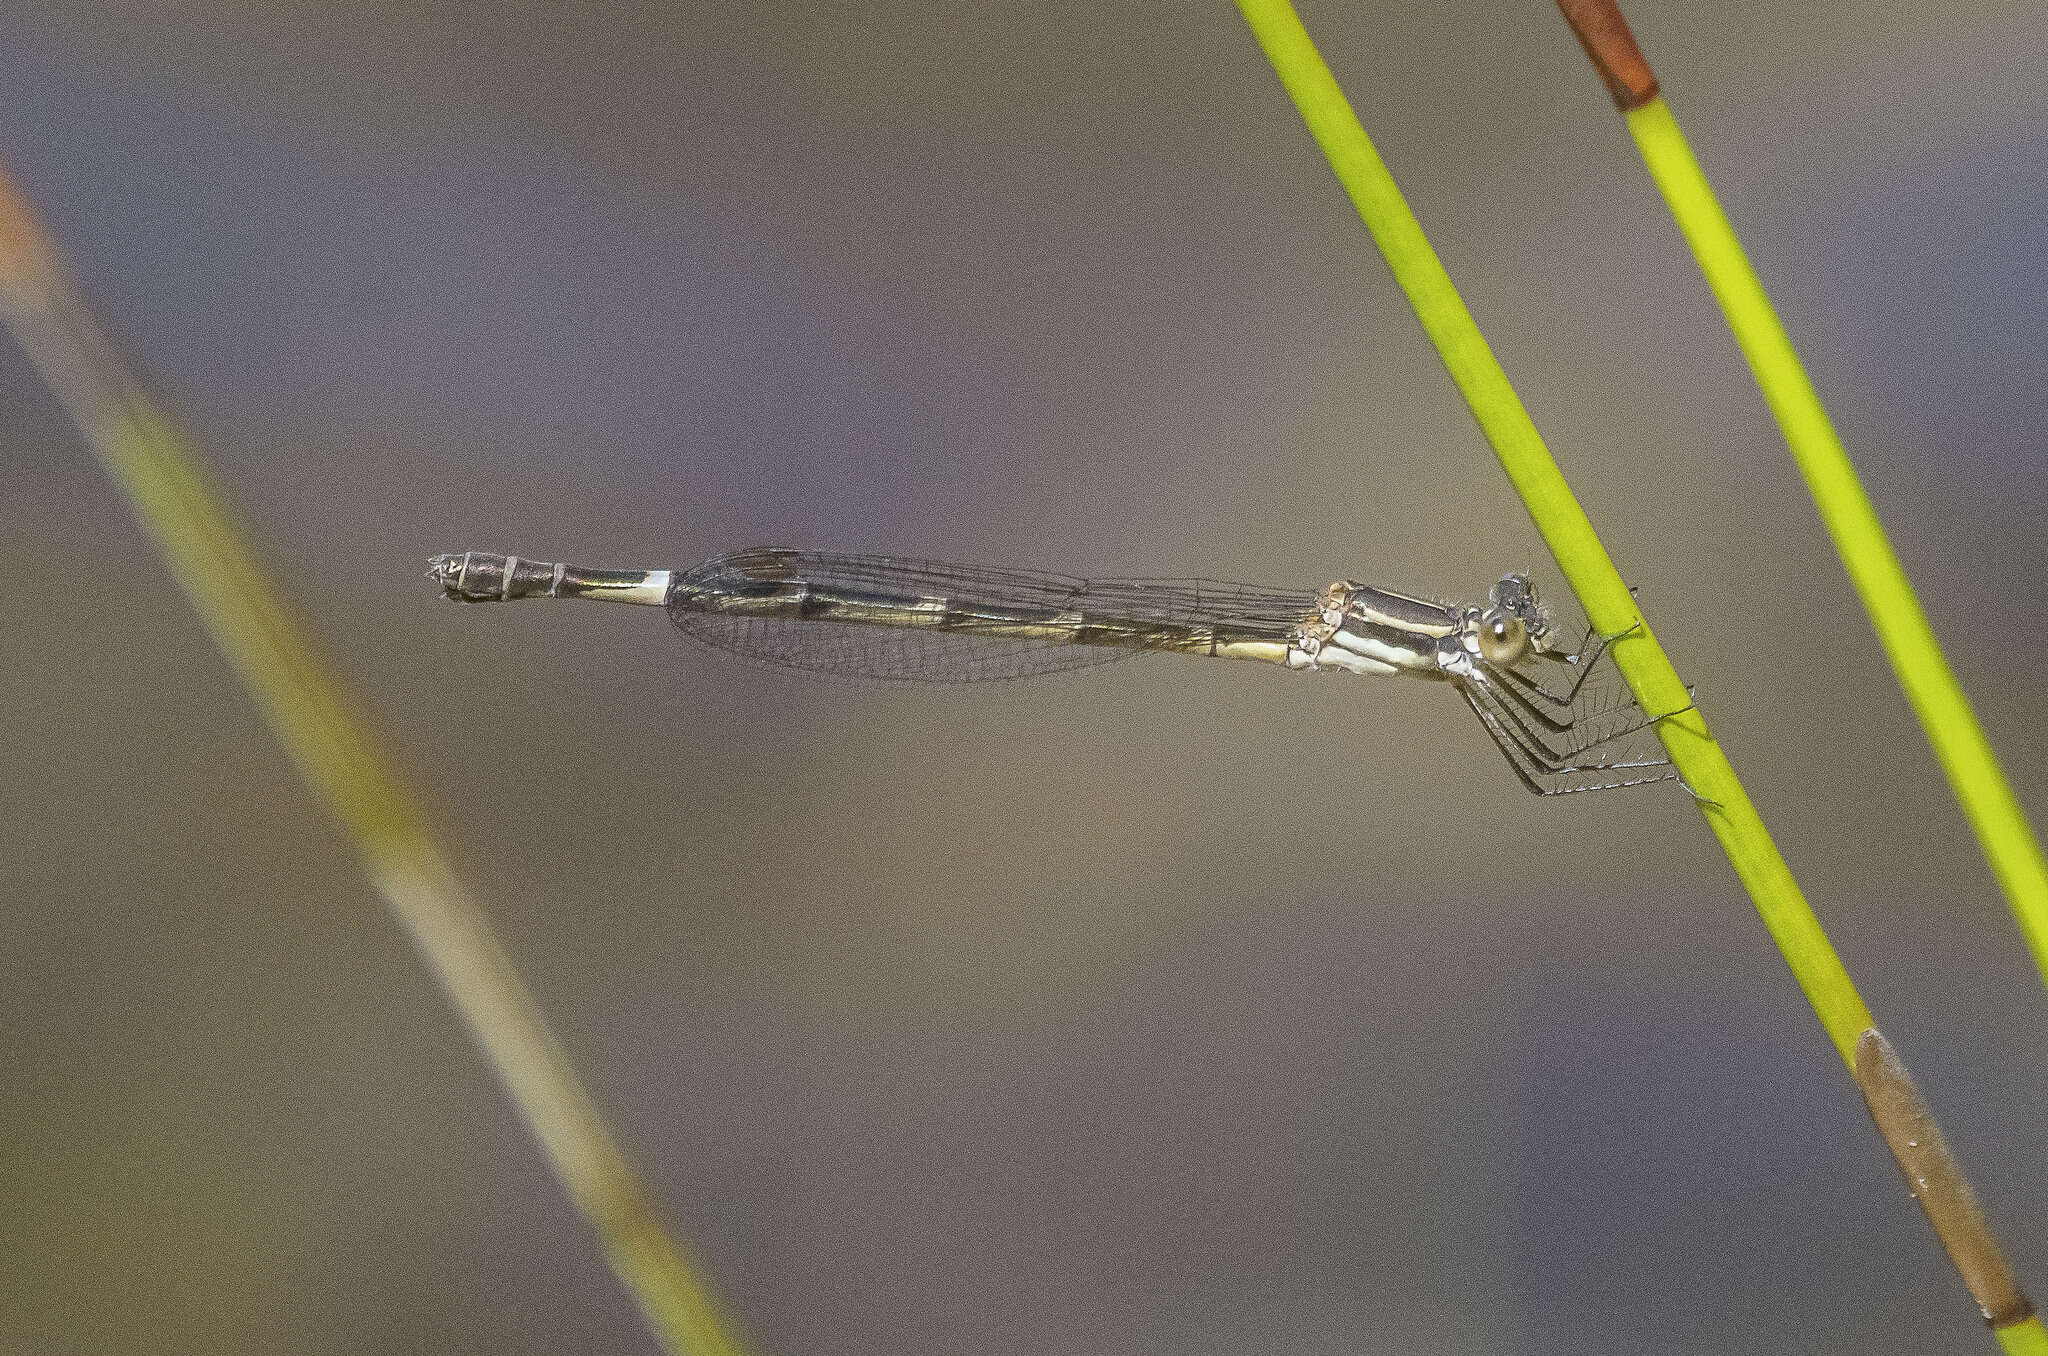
(1581, 661)
(1585, 737)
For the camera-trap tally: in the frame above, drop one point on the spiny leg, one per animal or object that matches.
(1561, 740)
(1545, 778)
(1556, 716)
(1545, 772)
(1499, 704)
(1584, 660)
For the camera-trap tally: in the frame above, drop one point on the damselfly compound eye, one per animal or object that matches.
(1502, 637)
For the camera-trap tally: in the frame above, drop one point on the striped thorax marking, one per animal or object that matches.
(1362, 629)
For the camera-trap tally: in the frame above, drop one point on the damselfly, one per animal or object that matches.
(879, 617)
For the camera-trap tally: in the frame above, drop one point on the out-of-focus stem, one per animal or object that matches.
(329, 740)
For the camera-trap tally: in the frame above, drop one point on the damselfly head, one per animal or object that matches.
(1515, 595)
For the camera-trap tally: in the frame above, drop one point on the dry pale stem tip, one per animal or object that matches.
(1937, 1181)
(1605, 36)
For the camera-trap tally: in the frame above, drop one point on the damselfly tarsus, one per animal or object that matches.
(879, 617)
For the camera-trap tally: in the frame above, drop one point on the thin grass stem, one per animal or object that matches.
(330, 742)
(1584, 560)
(1974, 775)
(1562, 522)
(2024, 1339)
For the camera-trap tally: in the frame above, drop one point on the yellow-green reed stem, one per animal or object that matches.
(2024, 1339)
(1562, 522)
(1974, 774)
(330, 742)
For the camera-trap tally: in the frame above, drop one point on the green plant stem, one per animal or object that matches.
(1974, 774)
(1557, 515)
(2027, 1338)
(331, 744)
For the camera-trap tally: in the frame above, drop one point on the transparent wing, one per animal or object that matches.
(854, 651)
(916, 620)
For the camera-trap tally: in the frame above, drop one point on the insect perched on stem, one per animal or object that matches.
(880, 617)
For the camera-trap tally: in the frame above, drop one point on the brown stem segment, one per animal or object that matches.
(1937, 1181)
(1604, 34)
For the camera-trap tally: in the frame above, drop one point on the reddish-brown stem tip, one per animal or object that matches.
(1605, 36)
(26, 258)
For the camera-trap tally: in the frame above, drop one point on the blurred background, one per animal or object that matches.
(1171, 1007)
